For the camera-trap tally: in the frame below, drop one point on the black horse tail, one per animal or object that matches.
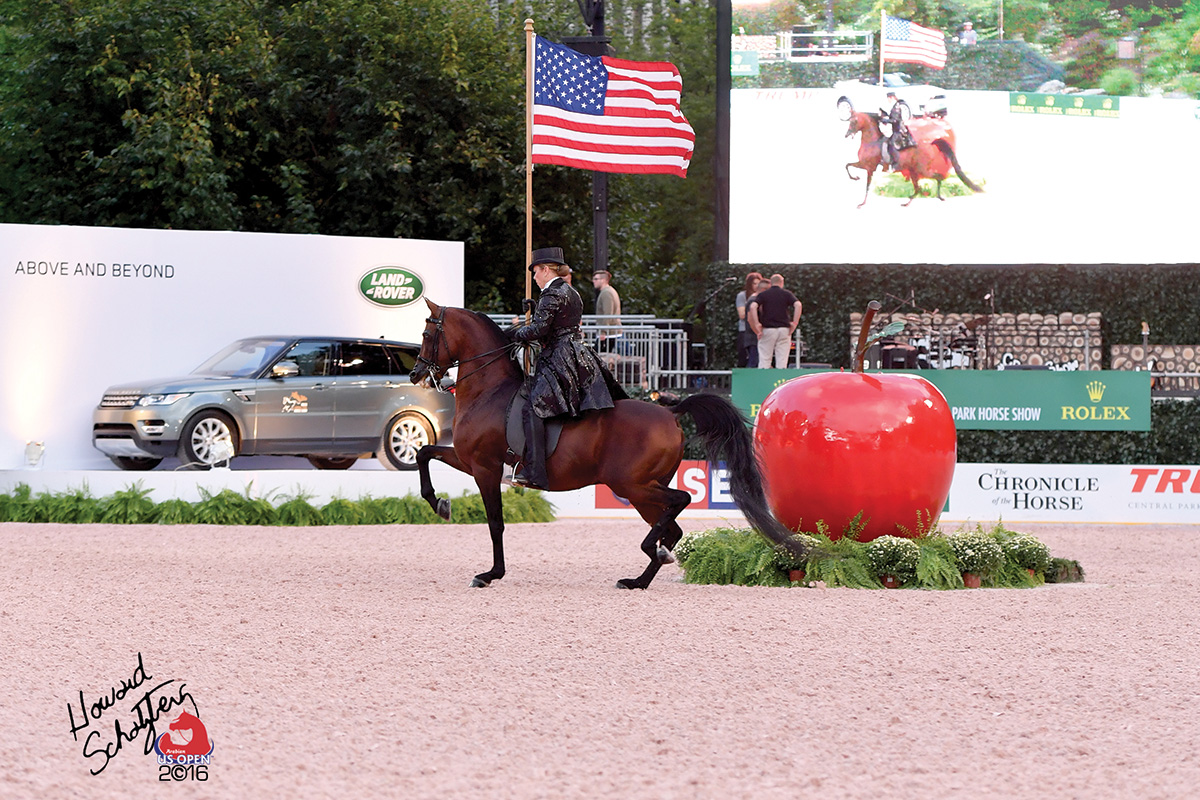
(726, 436)
(948, 152)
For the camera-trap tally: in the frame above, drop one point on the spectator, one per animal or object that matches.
(774, 315)
(747, 342)
(608, 304)
(968, 35)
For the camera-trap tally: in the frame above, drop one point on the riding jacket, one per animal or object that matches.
(568, 377)
(900, 138)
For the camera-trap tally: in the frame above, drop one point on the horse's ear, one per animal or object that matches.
(433, 309)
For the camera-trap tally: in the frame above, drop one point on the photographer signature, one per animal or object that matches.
(149, 705)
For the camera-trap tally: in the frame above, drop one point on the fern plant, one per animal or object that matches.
(174, 512)
(129, 506)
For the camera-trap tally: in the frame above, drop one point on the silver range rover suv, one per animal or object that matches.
(331, 400)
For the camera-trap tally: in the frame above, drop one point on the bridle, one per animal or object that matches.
(438, 335)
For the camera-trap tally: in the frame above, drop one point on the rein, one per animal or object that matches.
(439, 372)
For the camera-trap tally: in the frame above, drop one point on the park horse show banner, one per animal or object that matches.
(1043, 400)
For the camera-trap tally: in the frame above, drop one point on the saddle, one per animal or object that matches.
(514, 429)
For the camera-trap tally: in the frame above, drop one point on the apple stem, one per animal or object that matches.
(861, 351)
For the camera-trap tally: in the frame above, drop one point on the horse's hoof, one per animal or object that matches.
(443, 508)
(628, 583)
(665, 556)
(479, 583)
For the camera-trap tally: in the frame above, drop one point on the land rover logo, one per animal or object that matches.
(392, 287)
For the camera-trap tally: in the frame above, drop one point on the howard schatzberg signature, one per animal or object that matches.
(123, 713)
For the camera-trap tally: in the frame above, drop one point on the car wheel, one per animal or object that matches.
(403, 437)
(135, 463)
(202, 445)
(845, 109)
(332, 462)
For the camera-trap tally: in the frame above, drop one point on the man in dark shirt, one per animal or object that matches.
(774, 315)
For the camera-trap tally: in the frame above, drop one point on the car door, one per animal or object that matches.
(367, 380)
(295, 414)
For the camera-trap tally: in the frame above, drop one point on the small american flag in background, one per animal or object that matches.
(607, 114)
(910, 43)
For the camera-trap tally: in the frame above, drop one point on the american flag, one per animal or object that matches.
(910, 43)
(607, 114)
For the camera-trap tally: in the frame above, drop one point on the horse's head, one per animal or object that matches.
(864, 123)
(184, 722)
(434, 358)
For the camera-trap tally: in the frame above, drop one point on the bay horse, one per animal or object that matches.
(634, 448)
(933, 157)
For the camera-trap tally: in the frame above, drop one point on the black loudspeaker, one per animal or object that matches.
(898, 356)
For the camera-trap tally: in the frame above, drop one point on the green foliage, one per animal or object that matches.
(133, 505)
(1119, 81)
(341, 511)
(174, 512)
(227, 507)
(728, 556)
(795, 554)
(1063, 570)
(892, 555)
(896, 185)
(1024, 551)
(1094, 55)
(298, 511)
(931, 561)
(976, 551)
(936, 568)
(398, 119)
(128, 506)
(841, 562)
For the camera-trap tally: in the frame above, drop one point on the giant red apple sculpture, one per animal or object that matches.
(834, 444)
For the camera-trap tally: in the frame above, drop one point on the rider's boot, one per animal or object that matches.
(533, 466)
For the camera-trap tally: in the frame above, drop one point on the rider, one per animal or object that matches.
(900, 138)
(568, 378)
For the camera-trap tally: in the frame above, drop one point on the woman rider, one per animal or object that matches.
(568, 378)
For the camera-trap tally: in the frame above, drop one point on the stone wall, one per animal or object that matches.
(1064, 341)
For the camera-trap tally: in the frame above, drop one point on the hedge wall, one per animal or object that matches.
(1167, 297)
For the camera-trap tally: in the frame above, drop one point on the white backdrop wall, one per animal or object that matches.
(82, 309)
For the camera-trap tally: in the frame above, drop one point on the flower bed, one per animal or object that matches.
(934, 560)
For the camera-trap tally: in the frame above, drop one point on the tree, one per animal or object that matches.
(393, 118)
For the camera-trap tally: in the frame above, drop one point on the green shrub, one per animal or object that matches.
(129, 506)
(891, 555)
(728, 556)
(976, 551)
(174, 512)
(931, 561)
(298, 511)
(340, 511)
(1119, 82)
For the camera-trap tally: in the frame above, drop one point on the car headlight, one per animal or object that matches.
(161, 399)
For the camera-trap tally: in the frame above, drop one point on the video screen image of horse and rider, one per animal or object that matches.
(1040, 179)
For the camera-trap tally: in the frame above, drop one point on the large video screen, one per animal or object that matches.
(1065, 179)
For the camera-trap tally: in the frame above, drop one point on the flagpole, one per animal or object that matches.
(882, 29)
(529, 56)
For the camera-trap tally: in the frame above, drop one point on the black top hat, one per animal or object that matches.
(546, 255)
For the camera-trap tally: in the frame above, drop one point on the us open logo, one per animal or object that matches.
(391, 287)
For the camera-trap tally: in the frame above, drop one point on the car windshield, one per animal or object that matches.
(243, 358)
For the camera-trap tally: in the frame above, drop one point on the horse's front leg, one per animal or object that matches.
(867, 193)
(440, 505)
(912, 176)
(857, 164)
(489, 490)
